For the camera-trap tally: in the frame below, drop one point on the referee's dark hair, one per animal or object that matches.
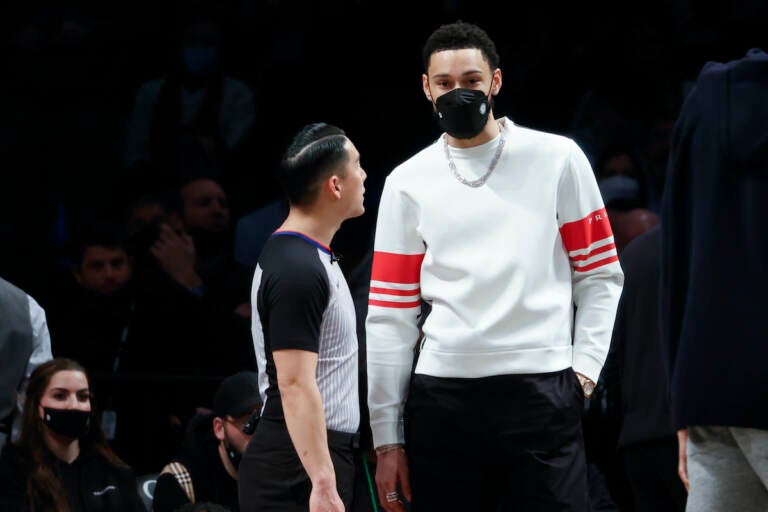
(312, 156)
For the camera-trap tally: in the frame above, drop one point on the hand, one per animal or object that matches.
(391, 469)
(325, 498)
(176, 255)
(682, 457)
(586, 384)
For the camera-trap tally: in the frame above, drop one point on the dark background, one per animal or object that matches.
(71, 70)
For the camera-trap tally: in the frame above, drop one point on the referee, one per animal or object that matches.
(304, 333)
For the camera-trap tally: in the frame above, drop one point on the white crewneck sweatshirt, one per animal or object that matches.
(521, 273)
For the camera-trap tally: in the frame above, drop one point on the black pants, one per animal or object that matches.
(273, 479)
(652, 472)
(509, 443)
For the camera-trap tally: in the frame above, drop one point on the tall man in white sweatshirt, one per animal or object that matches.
(501, 230)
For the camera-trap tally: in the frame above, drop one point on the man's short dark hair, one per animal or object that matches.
(103, 232)
(316, 150)
(458, 36)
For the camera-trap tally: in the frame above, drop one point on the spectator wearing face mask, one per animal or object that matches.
(62, 461)
(207, 468)
(622, 195)
(197, 105)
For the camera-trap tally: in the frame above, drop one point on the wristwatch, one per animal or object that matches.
(586, 384)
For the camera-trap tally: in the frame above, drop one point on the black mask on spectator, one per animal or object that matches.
(462, 113)
(201, 60)
(233, 455)
(72, 423)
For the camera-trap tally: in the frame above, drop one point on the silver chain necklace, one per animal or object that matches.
(481, 180)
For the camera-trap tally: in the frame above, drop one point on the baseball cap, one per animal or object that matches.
(237, 395)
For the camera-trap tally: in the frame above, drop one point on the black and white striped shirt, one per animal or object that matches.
(300, 300)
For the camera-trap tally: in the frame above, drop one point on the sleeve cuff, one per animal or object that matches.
(587, 365)
(388, 433)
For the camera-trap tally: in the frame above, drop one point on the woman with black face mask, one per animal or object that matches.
(61, 462)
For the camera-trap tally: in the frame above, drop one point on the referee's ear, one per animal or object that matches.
(334, 186)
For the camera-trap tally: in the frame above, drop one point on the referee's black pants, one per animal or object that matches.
(272, 478)
(501, 443)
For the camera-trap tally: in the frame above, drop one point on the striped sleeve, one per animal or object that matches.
(589, 241)
(395, 280)
(394, 306)
(596, 274)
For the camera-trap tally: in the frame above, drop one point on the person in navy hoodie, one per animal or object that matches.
(713, 285)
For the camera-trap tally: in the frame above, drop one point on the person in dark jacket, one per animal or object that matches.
(714, 281)
(646, 440)
(61, 462)
(206, 470)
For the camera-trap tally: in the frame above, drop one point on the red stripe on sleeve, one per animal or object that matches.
(598, 263)
(390, 304)
(396, 268)
(580, 234)
(597, 251)
(392, 291)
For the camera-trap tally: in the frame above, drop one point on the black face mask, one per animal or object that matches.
(463, 113)
(233, 455)
(72, 423)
